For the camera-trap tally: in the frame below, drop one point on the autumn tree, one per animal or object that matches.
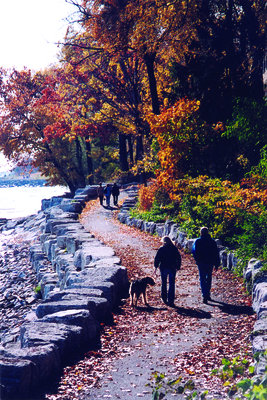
(154, 30)
(114, 94)
(24, 121)
(182, 137)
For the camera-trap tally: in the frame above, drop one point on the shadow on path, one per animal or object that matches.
(111, 207)
(188, 312)
(193, 313)
(231, 309)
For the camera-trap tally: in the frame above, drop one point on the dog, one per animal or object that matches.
(138, 287)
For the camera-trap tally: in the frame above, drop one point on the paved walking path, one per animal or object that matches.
(189, 340)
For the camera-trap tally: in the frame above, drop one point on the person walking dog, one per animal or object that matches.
(206, 255)
(168, 260)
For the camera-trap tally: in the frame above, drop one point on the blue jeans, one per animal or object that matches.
(108, 200)
(205, 278)
(168, 295)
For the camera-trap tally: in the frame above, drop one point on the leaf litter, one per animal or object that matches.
(189, 340)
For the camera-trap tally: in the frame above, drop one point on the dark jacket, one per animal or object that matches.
(168, 256)
(115, 190)
(205, 251)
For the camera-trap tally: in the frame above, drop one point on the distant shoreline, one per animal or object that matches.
(15, 181)
(33, 176)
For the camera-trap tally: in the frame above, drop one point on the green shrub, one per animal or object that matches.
(251, 243)
(37, 289)
(238, 376)
(161, 386)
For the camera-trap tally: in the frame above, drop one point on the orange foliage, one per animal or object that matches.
(175, 129)
(146, 196)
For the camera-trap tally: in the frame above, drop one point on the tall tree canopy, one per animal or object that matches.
(129, 62)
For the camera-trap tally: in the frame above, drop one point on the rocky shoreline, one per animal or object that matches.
(80, 281)
(18, 282)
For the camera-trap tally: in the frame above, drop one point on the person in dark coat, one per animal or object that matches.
(100, 193)
(207, 256)
(168, 260)
(115, 191)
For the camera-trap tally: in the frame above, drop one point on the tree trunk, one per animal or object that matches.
(89, 161)
(139, 148)
(61, 170)
(130, 149)
(257, 46)
(149, 60)
(79, 158)
(123, 153)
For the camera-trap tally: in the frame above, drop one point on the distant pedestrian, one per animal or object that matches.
(207, 256)
(107, 193)
(100, 193)
(115, 193)
(168, 259)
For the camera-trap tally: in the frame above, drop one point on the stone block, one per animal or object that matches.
(66, 338)
(54, 201)
(47, 247)
(231, 261)
(115, 274)
(59, 295)
(48, 279)
(49, 287)
(74, 242)
(99, 307)
(128, 220)
(159, 230)
(122, 216)
(223, 258)
(259, 344)
(255, 266)
(174, 229)
(167, 227)
(259, 296)
(46, 360)
(180, 239)
(153, 228)
(82, 318)
(105, 262)
(51, 307)
(91, 252)
(107, 288)
(64, 229)
(61, 262)
(61, 241)
(71, 206)
(71, 277)
(260, 327)
(17, 378)
(77, 259)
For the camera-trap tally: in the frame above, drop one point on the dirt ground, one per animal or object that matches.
(188, 340)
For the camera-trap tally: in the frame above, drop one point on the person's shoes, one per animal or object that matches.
(164, 301)
(205, 300)
(171, 304)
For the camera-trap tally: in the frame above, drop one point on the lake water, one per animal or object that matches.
(20, 198)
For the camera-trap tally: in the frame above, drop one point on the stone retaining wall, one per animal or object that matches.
(254, 275)
(81, 281)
